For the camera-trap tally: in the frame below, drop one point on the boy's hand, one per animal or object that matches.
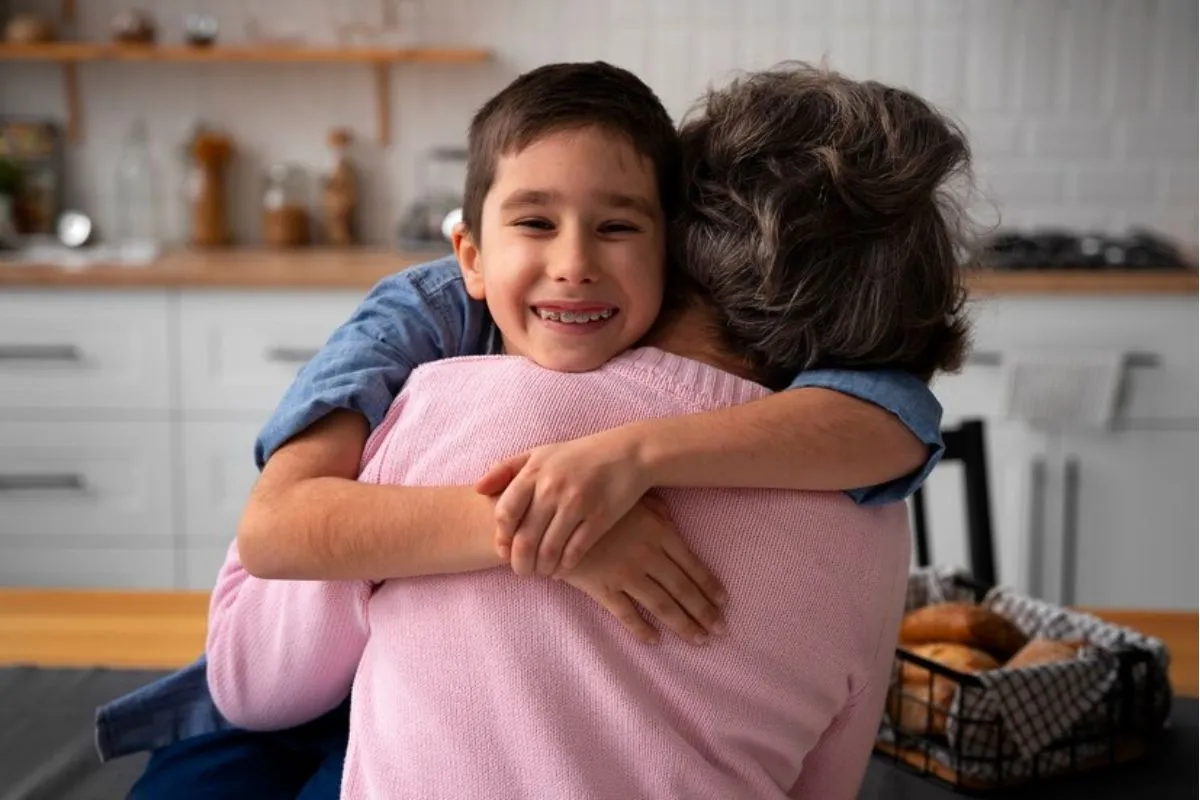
(644, 559)
(558, 500)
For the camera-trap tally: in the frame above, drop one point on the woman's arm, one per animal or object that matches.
(282, 653)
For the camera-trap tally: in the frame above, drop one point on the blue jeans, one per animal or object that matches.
(303, 763)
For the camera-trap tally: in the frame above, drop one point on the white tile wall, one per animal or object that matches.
(1083, 112)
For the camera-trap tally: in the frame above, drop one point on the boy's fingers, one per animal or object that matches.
(513, 505)
(661, 605)
(528, 538)
(497, 479)
(656, 504)
(697, 570)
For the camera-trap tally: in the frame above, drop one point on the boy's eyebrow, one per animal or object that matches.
(636, 202)
(542, 197)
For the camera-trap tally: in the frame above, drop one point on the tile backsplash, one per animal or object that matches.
(1081, 112)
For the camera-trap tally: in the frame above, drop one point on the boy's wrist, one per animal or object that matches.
(646, 451)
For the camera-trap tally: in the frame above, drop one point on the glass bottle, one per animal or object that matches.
(285, 206)
(138, 228)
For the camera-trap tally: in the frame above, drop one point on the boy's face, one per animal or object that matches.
(573, 257)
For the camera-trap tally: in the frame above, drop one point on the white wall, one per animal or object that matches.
(1082, 112)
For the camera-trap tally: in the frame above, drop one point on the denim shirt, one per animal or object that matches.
(413, 317)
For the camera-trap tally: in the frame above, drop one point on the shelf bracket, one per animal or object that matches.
(74, 107)
(383, 103)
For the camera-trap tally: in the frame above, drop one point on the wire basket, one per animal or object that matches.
(947, 729)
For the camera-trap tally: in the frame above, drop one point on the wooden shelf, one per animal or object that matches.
(380, 59)
(267, 53)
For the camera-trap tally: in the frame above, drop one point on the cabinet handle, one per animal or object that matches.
(40, 352)
(19, 483)
(1037, 527)
(990, 358)
(1070, 531)
(291, 355)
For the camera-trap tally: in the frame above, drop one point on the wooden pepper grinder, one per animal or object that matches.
(340, 193)
(210, 153)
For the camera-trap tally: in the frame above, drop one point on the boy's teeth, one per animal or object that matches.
(571, 316)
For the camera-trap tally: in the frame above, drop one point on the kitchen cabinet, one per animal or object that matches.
(1132, 529)
(1104, 517)
(128, 418)
(127, 426)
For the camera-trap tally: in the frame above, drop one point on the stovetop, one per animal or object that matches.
(1060, 249)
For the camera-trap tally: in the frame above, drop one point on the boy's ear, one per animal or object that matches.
(470, 260)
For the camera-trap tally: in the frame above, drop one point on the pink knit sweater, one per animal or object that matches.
(490, 685)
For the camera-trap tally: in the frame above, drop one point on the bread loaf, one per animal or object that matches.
(949, 654)
(1045, 651)
(919, 702)
(920, 709)
(963, 623)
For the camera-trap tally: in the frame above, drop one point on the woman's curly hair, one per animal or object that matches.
(816, 218)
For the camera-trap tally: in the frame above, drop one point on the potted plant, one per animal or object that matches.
(10, 185)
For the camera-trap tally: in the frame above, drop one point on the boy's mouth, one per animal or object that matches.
(574, 313)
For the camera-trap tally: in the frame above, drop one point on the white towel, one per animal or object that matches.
(1064, 388)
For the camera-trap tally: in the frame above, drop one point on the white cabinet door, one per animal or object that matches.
(87, 568)
(87, 505)
(1135, 542)
(241, 350)
(1016, 488)
(218, 473)
(84, 351)
(1159, 332)
(201, 565)
(76, 482)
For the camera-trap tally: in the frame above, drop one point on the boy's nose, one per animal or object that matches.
(574, 262)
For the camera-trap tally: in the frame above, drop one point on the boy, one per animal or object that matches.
(490, 684)
(809, 437)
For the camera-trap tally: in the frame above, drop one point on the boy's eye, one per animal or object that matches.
(618, 227)
(534, 223)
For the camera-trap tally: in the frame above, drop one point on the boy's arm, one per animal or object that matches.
(835, 430)
(309, 518)
(416, 316)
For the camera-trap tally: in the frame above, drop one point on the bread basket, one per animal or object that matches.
(1010, 727)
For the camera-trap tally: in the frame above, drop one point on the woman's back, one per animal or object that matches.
(490, 684)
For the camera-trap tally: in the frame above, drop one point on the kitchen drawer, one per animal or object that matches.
(86, 568)
(218, 473)
(1160, 386)
(240, 351)
(77, 480)
(200, 567)
(84, 350)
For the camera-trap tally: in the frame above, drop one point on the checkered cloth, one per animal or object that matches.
(1040, 706)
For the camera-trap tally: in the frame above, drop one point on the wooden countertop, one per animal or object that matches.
(359, 269)
(165, 630)
(238, 268)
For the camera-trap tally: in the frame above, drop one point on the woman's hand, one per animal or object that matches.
(558, 500)
(644, 560)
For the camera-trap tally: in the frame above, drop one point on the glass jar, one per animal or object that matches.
(286, 207)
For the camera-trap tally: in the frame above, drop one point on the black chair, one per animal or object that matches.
(966, 444)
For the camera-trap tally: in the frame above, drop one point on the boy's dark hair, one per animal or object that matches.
(560, 97)
(814, 219)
